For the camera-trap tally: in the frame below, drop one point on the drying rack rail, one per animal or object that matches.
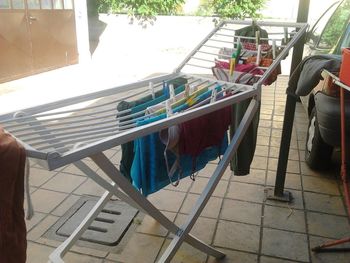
(61, 137)
(67, 131)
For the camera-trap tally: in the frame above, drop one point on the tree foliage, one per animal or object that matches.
(143, 10)
(146, 10)
(234, 9)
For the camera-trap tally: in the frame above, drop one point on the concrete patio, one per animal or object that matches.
(238, 219)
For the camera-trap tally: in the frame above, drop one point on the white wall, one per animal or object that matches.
(288, 9)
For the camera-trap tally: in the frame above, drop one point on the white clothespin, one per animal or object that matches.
(258, 56)
(274, 48)
(151, 87)
(187, 90)
(257, 38)
(238, 41)
(213, 95)
(285, 34)
(169, 110)
(192, 89)
(171, 92)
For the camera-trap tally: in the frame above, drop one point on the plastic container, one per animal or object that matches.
(344, 74)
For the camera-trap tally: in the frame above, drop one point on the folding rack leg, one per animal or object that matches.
(210, 187)
(58, 253)
(181, 234)
(56, 256)
(105, 164)
(134, 198)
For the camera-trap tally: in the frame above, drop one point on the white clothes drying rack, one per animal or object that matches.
(55, 136)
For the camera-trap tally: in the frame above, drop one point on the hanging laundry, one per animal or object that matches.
(139, 105)
(13, 242)
(150, 170)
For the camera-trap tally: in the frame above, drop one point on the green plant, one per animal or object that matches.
(237, 9)
(142, 10)
(146, 10)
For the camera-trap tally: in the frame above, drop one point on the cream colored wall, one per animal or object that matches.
(278, 9)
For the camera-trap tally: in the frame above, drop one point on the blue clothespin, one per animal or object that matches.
(166, 89)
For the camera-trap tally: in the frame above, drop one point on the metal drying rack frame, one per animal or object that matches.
(55, 135)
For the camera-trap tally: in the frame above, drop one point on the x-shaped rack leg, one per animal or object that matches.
(136, 199)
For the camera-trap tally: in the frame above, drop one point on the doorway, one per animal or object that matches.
(36, 36)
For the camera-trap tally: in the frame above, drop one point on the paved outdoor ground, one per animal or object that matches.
(238, 219)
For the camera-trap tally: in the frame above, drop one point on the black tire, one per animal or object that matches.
(318, 154)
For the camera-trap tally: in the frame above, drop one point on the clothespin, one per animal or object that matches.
(151, 87)
(193, 89)
(257, 38)
(172, 92)
(213, 95)
(274, 48)
(258, 56)
(238, 51)
(285, 34)
(169, 110)
(165, 89)
(232, 65)
(187, 90)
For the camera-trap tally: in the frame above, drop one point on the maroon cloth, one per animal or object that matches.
(205, 131)
(13, 242)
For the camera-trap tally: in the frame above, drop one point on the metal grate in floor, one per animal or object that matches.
(107, 229)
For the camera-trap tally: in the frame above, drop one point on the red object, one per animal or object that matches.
(344, 74)
(343, 172)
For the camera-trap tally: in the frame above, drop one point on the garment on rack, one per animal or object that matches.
(150, 169)
(307, 74)
(242, 159)
(202, 132)
(13, 242)
(240, 164)
(250, 31)
(149, 172)
(194, 136)
(141, 104)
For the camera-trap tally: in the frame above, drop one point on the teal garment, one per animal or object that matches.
(128, 148)
(149, 173)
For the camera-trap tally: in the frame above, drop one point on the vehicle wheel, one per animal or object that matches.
(318, 154)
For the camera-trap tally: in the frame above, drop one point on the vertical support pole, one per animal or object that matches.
(82, 30)
(279, 193)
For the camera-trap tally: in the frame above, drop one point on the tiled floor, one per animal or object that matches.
(237, 219)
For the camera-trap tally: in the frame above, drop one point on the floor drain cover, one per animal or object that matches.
(109, 226)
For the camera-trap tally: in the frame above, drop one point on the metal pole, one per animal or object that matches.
(279, 193)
